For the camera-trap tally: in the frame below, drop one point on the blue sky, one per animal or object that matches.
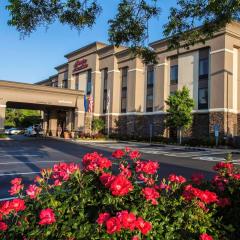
(33, 59)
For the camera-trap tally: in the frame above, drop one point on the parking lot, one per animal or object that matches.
(24, 157)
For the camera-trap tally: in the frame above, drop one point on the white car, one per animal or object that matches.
(7, 130)
(14, 131)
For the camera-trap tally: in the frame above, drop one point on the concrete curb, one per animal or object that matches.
(233, 151)
(6, 139)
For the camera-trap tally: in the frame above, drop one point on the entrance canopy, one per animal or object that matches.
(22, 95)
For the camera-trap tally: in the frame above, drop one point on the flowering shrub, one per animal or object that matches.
(131, 202)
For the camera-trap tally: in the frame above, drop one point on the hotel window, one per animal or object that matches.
(89, 81)
(105, 88)
(203, 68)
(150, 83)
(54, 83)
(203, 78)
(174, 74)
(77, 81)
(65, 80)
(65, 83)
(203, 97)
(124, 90)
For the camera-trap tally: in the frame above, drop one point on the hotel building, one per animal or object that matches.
(138, 92)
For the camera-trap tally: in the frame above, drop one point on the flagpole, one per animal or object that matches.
(91, 116)
(108, 116)
(85, 111)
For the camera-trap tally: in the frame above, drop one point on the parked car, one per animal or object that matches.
(7, 130)
(33, 131)
(14, 131)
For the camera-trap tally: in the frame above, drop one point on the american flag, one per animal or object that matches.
(90, 104)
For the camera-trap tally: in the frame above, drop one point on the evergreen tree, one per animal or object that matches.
(180, 106)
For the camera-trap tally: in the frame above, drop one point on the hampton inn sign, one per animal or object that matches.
(80, 64)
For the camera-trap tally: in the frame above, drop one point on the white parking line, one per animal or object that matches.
(7, 199)
(4, 151)
(20, 155)
(14, 174)
(210, 159)
(9, 163)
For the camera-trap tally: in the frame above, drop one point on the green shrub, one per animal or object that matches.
(98, 125)
(3, 135)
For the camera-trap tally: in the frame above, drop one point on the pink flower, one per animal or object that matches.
(125, 171)
(135, 238)
(57, 183)
(95, 162)
(205, 196)
(220, 182)
(226, 166)
(127, 219)
(151, 194)
(118, 153)
(62, 171)
(33, 191)
(16, 186)
(3, 226)
(5, 208)
(17, 204)
(143, 226)
(164, 186)
(208, 197)
(102, 218)
(149, 167)
(113, 225)
(127, 149)
(236, 176)
(15, 189)
(205, 236)
(107, 179)
(176, 179)
(47, 217)
(16, 181)
(120, 186)
(134, 155)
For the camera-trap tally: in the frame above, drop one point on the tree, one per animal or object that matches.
(180, 106)
(22, 117)
(210, 15)
(130, 24)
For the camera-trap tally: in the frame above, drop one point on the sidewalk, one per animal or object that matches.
(187, 148)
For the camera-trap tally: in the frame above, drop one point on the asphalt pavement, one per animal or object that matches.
(25, 157)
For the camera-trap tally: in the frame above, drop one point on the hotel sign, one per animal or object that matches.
(80, 64)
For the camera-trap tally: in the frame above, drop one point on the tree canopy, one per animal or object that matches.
(188, 15)
(22, 117)
(130, 24)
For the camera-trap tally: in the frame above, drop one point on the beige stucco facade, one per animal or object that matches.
(215, 93)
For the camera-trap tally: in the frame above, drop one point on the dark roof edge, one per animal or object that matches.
(60, 66)
(43, 81)
(82, 48)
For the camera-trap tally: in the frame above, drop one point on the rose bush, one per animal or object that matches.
(130, 201)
